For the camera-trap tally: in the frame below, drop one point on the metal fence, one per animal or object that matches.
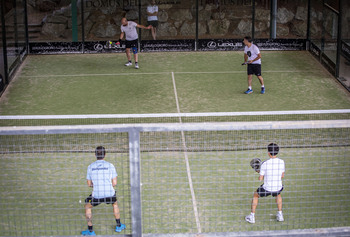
(187, 178)
(87, 26)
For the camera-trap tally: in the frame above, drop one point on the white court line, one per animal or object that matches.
(244, 71)
(194, 202)
(102, 74)
(160, 73)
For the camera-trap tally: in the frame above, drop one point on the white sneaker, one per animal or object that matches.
(136, 66)
(128, 64)
(279, 217)
(250, 218)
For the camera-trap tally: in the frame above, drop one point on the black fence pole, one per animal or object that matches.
(273, 19)
(26, 25)
(339, 37)
(197, 25)
(4, 41)
(82, 27)
(15, 26)
(308, 36)
(253, 19)
(323, 28)
(140, 32)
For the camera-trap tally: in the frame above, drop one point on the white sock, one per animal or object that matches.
(249, 87)
(262, 86)
(280, 212)
(253, 214)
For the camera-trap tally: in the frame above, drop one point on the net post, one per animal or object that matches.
(135, 182)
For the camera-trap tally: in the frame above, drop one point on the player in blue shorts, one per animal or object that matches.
(252, 57)
(272, 172)
(102, 177)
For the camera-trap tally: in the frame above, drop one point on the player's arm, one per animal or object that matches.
(144, 27)
(152, 14)
(261, 177)
(121, 36)
(114, 181)
(245, 57)
(255, 59)
(89, 183)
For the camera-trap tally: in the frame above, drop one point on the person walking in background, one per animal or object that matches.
(152, 12)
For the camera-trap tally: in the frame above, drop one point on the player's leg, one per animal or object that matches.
(88, 216)
(250, 79)
(153, 30)
(261, 79)
(255, 202)
(136, 57)
(279, 202)
(251, 217)
(88, 213)
(128, 55)
(279, 215)
(135, 52)
(116, 213)
(250, 72)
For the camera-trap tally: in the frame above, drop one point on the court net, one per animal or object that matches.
(47, 120)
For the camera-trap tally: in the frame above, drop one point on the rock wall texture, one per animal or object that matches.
(176, 20)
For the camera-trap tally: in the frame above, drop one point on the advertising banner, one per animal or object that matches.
(167, 45)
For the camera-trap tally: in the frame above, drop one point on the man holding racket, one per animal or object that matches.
(128, 28)
(252, 57)
(271, 172)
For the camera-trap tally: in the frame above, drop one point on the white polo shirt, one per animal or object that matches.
(101, 174)
(252, 53)
(272, 170)
(130, 31)
(152, 9)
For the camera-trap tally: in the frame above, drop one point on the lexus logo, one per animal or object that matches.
(211, 45)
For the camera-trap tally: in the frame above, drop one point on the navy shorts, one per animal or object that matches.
(131, 43)
(153, 23)
(97, 201)
(254, 69)
(264, 193)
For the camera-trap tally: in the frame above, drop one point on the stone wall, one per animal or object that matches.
(176, 21)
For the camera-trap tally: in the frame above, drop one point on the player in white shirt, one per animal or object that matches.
(252, 57)
(128, 28)
(272, 172)
(102, 177)
(152, 19)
